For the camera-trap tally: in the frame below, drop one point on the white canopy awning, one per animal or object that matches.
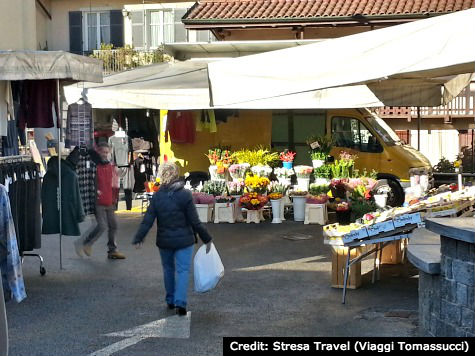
(36, 65)
(413, 64)
(184, 86)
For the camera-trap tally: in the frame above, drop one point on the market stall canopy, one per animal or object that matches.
(184, 86)
(36, 65)
(414, 64)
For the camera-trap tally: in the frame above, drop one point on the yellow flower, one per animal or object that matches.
(157, 180)
(255, 201)
(457, 163)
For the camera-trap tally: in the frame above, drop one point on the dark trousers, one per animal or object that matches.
(105, 217)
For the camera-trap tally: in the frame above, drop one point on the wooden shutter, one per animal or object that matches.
(138, 38)
(117, 28)
(75, 32)
(180, 31)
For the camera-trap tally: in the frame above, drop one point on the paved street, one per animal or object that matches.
(272, 287)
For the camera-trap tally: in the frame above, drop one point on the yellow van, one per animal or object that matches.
(359, 132)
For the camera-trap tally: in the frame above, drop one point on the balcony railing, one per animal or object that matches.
(118, 60)
(462, 106)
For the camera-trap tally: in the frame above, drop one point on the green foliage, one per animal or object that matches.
(318, 156)
(316, 189)
(258, 156)
(322, 144)
(214, 187)
(324, 171)
(444, 166)
(360, 207)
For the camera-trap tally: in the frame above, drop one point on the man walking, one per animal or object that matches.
(107, 195)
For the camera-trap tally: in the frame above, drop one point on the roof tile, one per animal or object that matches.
(280, 9)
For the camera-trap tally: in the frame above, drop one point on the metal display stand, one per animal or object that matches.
(381, 241)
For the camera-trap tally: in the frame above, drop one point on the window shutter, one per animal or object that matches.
(204, 36)
(75, 32)
(137, 18)
(180, 31)
(117, 28)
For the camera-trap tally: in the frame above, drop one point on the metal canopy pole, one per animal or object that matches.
(419, 128)
(59, 123)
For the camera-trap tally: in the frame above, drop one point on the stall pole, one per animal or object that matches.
(59, 123)
(419, 128)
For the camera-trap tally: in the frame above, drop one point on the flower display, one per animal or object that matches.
(281, 172)
(214, 188)
(317, 199)
(343, 168)
(275, 196)
(236, 187)
(287, 156)
(303, 171)
(261, 171)
(202, 198)
(253, 201)
(238, 170)
(276, 187)
(255, 183)
(258, 156)
(216, 155)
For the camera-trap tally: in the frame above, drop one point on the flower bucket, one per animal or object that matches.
(212, 172)
(276, 211)
(303, 184)
(381, 200)
(287, 165)
(317, 163)
(253, 216)
(237, 209)
(299, 208)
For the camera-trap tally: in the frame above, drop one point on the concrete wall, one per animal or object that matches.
(18, 24)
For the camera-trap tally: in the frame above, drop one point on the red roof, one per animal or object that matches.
(281, 10)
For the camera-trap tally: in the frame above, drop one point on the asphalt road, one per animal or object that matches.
(272, 287)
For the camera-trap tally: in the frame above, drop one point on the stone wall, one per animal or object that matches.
(446, 301)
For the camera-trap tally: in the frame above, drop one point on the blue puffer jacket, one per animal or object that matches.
(177, 219)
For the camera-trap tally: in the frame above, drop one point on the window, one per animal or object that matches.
(97, 30)
(351, 133)
(161, 28)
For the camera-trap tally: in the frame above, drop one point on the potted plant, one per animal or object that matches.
(287, 157)
(235, 189)
(253, 202)
(299, 199)
(303, 176)
(320, 147)
(343, 213)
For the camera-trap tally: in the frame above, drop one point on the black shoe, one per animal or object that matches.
(181, 311)
(171, 306)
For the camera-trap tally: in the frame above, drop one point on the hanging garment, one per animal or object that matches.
(86, 171)
(6, 106)
(80, 127)
(39, 97)
(139, 144)
(120, 150)
(126, 177)
(72, 212)
(139, 175)
(10, 261)
(181, 127)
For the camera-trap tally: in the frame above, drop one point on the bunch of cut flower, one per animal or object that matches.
(261, 171)
(203, 198)
(281, 172)
(253, 201)
(287, 156)
(238, 170)
(214, 187)
(317, 199)
(236, 187)
(224, 199)
(303, 171)
(256, 184)
(343, 168)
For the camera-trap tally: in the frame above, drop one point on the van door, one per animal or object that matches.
(352, 135)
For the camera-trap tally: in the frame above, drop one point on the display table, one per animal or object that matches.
(446, 276)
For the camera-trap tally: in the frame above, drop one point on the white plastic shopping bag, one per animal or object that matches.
(208, 269)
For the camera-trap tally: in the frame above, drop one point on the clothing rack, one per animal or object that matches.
(19, 159)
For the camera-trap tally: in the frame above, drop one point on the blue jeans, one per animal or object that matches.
(177, 288)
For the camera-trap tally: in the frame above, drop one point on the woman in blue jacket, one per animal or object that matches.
(177, 223)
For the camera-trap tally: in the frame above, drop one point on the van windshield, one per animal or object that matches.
(383, 130)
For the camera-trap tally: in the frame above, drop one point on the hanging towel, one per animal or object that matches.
(10, 261)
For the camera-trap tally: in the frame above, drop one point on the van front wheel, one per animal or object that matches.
(393, 189)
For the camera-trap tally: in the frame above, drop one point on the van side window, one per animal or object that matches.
(351, 133)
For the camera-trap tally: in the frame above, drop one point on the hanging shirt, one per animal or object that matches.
(181, 127)
(120, 150)
(10, 261)
(79, 127)
(37, 102)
